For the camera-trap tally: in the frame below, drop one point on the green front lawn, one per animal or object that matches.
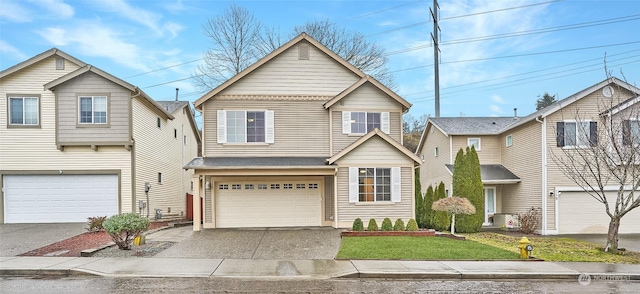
(556, 249)
(420, 248)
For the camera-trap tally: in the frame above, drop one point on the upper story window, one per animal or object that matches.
(175, 133)
(158, 122)
(93, 109)
(59, 63)
(23, 111)
(631, 132)
(240, 126)
(576, 133)
(509, 140)
(363, 122)
(436, 152)
(475, 142)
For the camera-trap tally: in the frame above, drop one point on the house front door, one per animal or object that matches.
(489, 205)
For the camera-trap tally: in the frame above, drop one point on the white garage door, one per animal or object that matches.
(59, 198)
(267, 204)
(582, 214)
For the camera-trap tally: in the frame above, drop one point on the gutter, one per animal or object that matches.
(544, 172)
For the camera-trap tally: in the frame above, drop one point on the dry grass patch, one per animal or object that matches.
(556, 249)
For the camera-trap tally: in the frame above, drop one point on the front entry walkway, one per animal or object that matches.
(258, 243)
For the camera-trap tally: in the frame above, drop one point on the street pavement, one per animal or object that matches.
(280, 266)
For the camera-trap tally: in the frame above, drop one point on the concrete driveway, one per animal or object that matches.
(628, 241)
(259, 243)
(16, 239)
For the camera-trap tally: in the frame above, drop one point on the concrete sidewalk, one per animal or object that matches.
(311, 269)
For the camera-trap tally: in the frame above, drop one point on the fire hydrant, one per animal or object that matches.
(525, 248)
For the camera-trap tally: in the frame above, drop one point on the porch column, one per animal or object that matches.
(196, 202)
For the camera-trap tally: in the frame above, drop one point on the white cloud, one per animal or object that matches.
(97, 40)
(139, 15)
(496, 109)
(173, 28)
(498, 99)
(8, 50)
(15, 12)
(56, 8)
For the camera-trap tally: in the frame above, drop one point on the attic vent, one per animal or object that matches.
(303, 52)
(59, 63)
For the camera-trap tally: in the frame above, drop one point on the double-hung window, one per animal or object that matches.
(92, 110)
(374, 184)
(576, 133)
(354, 122)
(631, 132)
(240, 126)
(23, 111)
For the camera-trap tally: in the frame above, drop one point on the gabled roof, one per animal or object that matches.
(40, 57)
(365, 138)
(493, 174)
(573, 98)
(472, 125)
(173, 106)
(368, 79)
(272, 55)
(89, 68)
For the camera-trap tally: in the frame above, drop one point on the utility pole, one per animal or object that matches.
(436, 51)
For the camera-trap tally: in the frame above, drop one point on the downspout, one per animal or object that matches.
(544, 173)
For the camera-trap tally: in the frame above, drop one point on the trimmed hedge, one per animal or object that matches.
(357, 225)
(386, 225)
(412, 225)
(399, 225)
(373, 225)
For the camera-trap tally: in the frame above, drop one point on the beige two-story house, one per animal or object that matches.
(517, 157)
(302, 138)
(78, 142)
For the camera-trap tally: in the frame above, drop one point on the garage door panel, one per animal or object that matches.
(59, 198)
(267, 207)
(579, 213)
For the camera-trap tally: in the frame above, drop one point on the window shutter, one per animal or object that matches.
(560, 134)
(626, 132)
(353, 184)
(270, 132)
(222, 126)
(346, 122)
(396, 184)
(593, 133)
(384, 122)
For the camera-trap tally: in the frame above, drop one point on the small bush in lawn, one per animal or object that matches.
(412, 225)
(123, 228)
(373, 225)
(386, 225)
(530, 220)
(95, 223)
(399, 225)
(357, 225)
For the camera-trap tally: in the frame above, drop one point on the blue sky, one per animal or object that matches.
(559, 45)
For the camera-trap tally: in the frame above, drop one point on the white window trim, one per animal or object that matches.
(269, 129)
(93, 120)
(635, 142)
(10, 118)
(385, 122)
(396, 186)
(509, 140)
(479, 142)
(588, 121)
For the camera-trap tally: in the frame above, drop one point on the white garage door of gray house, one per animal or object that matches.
(267, 204)
(59, 198)
(580, 213)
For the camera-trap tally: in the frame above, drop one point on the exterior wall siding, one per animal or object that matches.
(348, 212)
(433, 169)
(70, 131)
(524, 159)
(340, 140)
(285, 74)
(301, 129)
(158, 151)
(489, 152)
(375, 152)
(34, 149)
(367, 98)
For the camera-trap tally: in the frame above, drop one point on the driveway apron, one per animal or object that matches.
(16, 239)
(259, 243)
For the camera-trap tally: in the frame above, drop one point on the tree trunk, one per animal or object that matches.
(453, 224)
(612, 235)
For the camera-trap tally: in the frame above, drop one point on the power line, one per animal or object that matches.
(163, 68)
(383, 10)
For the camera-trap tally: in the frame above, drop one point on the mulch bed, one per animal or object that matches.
(72, 247)
(420, 233)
